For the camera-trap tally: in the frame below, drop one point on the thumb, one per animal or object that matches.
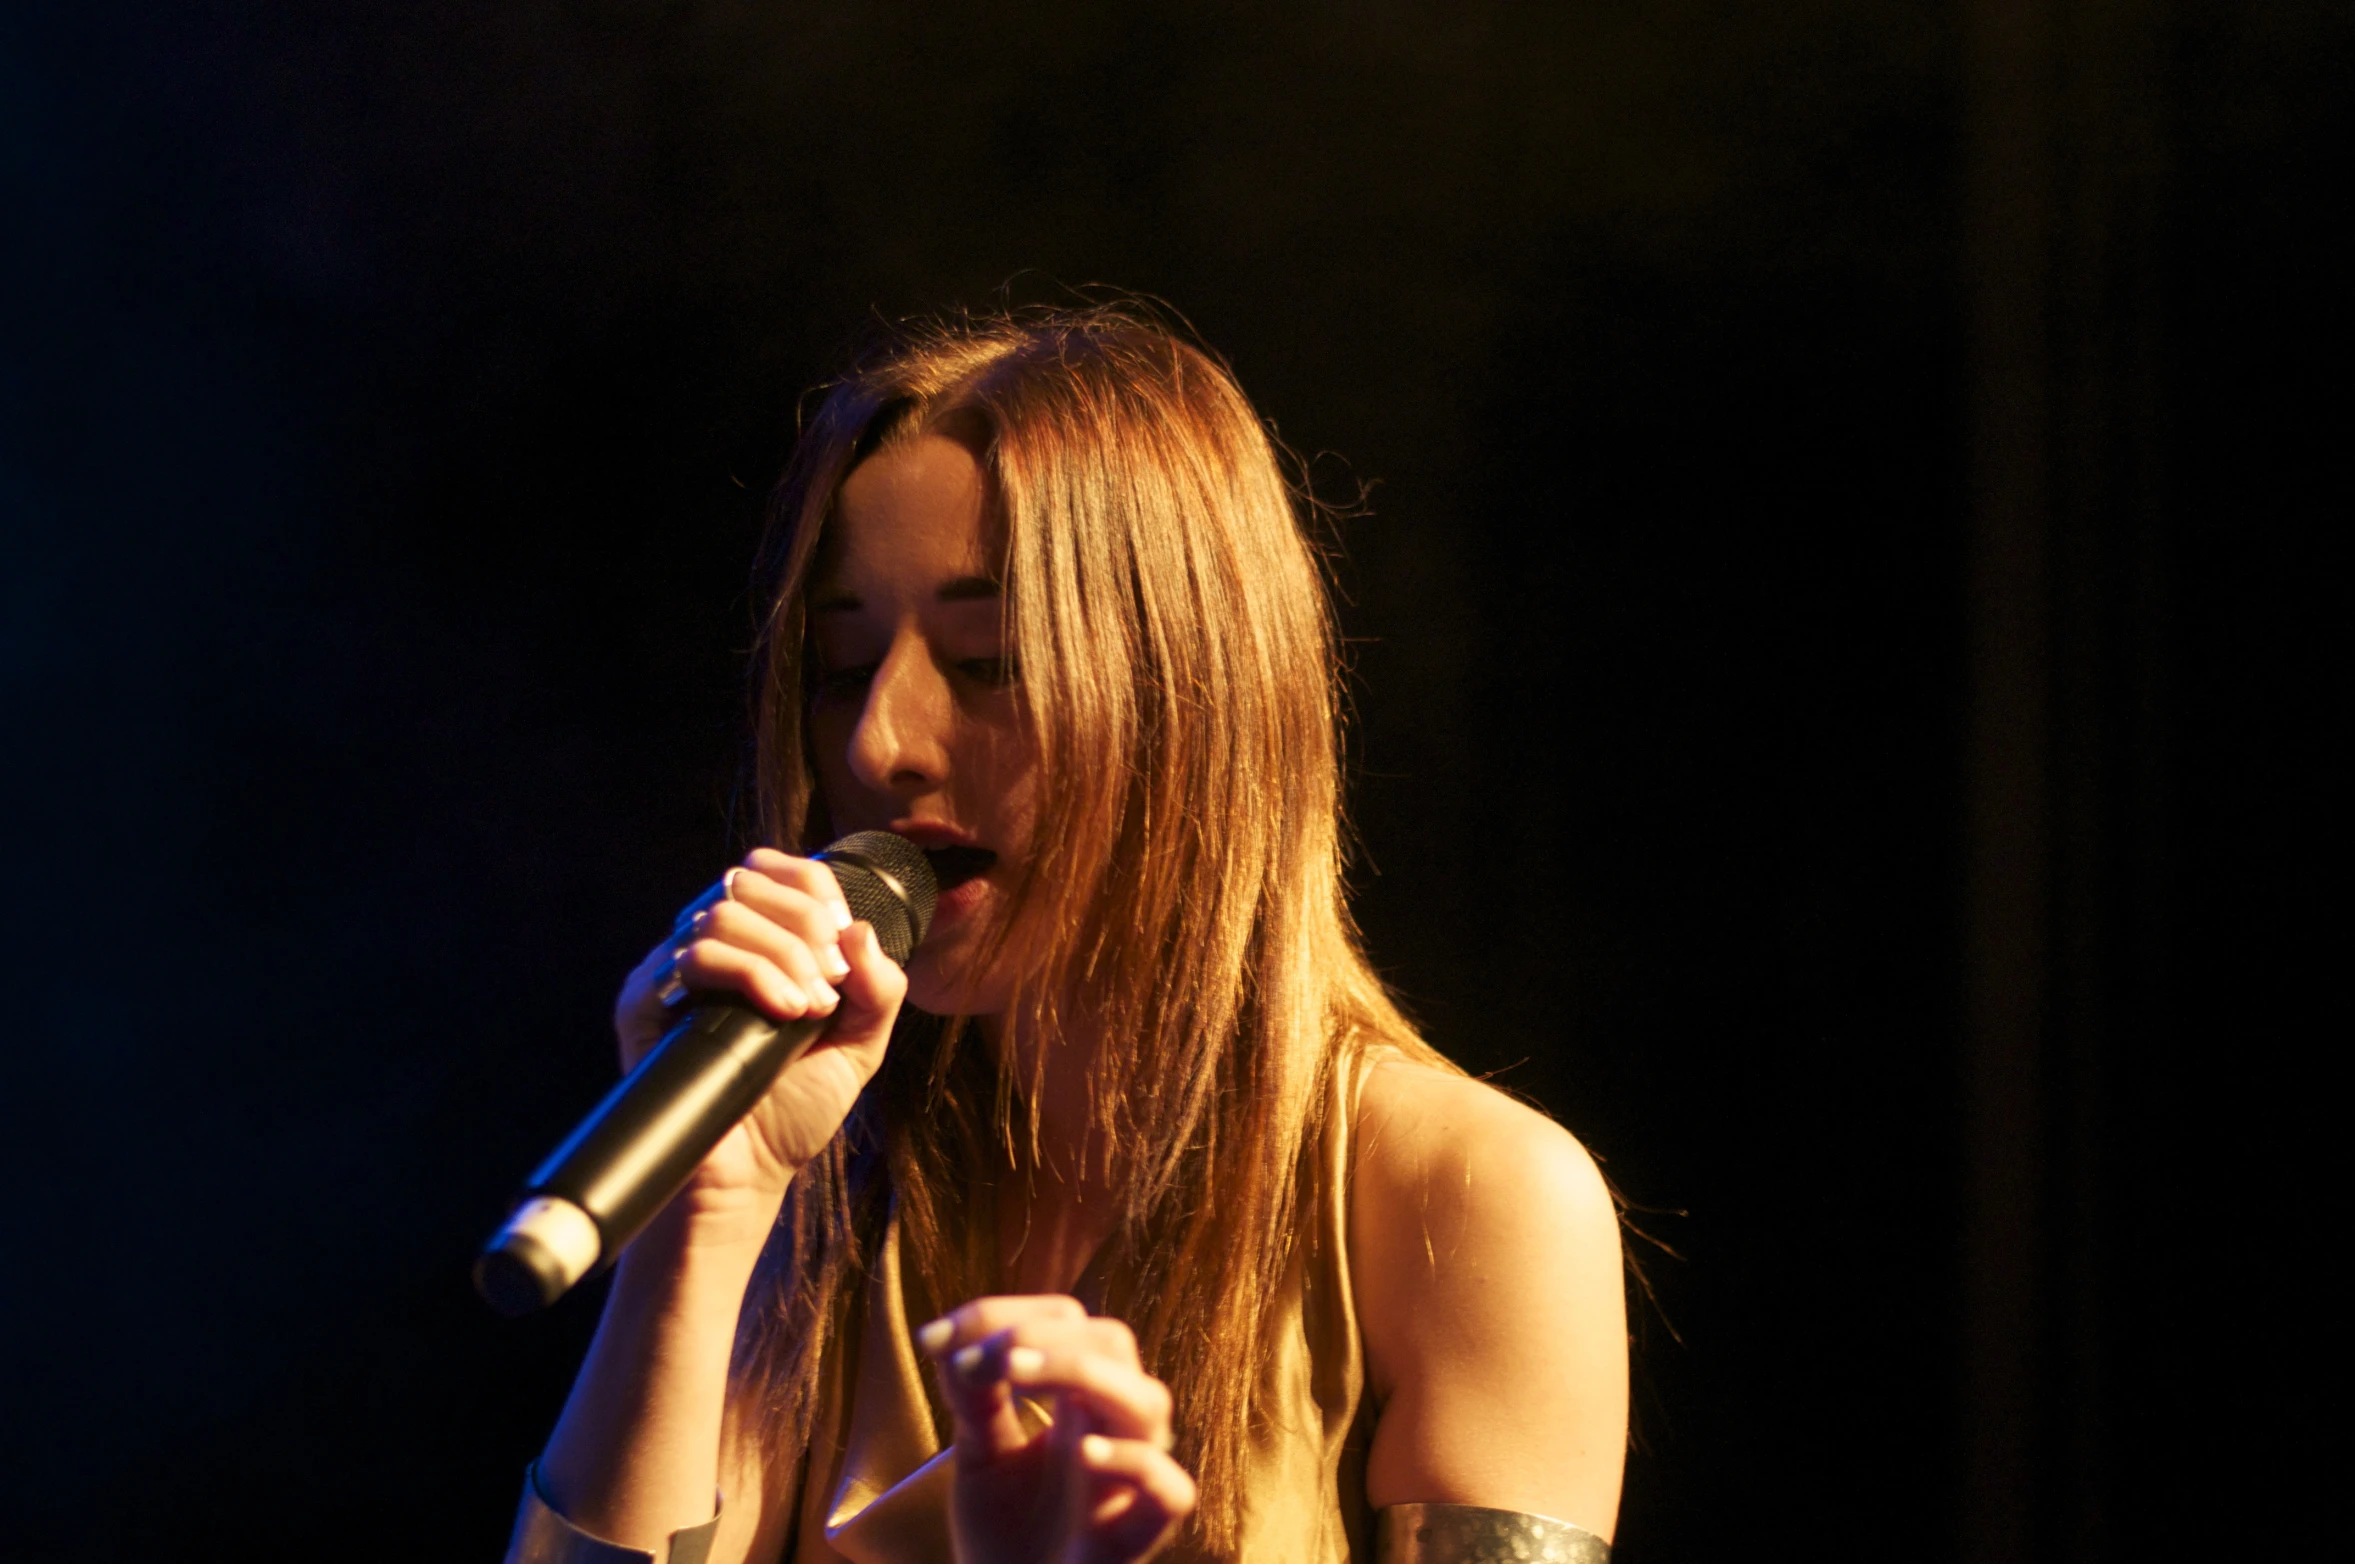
(973, 1381)
(871, 994)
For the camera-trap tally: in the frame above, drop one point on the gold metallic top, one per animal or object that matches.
(877, 1483)
(1468, 1534)
(544, 1537)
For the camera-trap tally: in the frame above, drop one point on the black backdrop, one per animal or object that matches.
(388, 397)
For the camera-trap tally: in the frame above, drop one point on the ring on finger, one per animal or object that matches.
(693, 914)
(672, 990)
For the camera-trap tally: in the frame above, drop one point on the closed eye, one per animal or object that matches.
(846, 681)
(995, 672)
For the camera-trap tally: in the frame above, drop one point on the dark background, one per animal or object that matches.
(1849, 485)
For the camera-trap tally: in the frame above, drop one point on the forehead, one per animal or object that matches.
(908, 518)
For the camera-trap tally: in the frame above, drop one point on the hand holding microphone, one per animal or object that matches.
(779, 935)
(726, 1098)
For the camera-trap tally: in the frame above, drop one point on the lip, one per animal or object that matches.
(957, 903)
(954, 906)
(933, 833)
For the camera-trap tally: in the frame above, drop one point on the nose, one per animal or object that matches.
(900, 745)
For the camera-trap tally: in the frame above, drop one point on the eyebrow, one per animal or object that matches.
(964, 589)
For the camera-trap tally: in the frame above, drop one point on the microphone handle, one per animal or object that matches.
(636, 1150)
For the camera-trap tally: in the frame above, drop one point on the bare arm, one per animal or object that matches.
(1486, 1263)
(638, 1452)
(636, 1455)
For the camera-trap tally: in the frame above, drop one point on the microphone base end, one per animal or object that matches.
(546, 1246)
(517, 1278)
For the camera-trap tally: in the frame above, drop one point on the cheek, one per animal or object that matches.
(1004, 772)
(828, 736)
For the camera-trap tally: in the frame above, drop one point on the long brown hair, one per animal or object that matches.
(1178, 676)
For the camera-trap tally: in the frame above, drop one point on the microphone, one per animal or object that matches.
(637, 1148)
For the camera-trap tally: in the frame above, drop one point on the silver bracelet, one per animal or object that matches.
(1469, 1534)
(544, 1537)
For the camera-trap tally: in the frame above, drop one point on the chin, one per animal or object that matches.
(937, 982)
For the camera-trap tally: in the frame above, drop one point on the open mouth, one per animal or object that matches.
(953, 866)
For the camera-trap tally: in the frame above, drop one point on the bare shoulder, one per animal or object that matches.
(1486, 1266)
(1429, 1134)
(1471, 1177)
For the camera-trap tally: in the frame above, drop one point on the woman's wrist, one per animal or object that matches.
(632, 1458)
(701, 1243)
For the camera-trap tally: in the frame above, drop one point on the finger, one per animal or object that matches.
(873, 981)
(806, 875)
(1141, 1496)
(977, 1318)
(647, 976)
(713, 966)
(735, 924)
(1120, 1398)
(1114, 1339)
(980, 1401)
(639, 1014)
(1108, 1502)
(797, 912)
(870, 999)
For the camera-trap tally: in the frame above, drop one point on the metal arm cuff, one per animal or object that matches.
(1468, 1534)
(544, 1537)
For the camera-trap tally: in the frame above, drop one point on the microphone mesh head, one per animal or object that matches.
(888, 882)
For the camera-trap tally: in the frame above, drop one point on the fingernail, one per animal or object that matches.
(837, 965)
(936, 1335)
(968, 1360)
(1095, 1449)
(1023, 1362)
(699, 920)
(827, 997)
(842, 918)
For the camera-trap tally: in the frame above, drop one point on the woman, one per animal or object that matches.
(1173, 1235)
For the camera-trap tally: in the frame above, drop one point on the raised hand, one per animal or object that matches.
(782, 939)
(1099, 1486)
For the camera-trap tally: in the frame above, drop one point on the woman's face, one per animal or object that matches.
(914, 723)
